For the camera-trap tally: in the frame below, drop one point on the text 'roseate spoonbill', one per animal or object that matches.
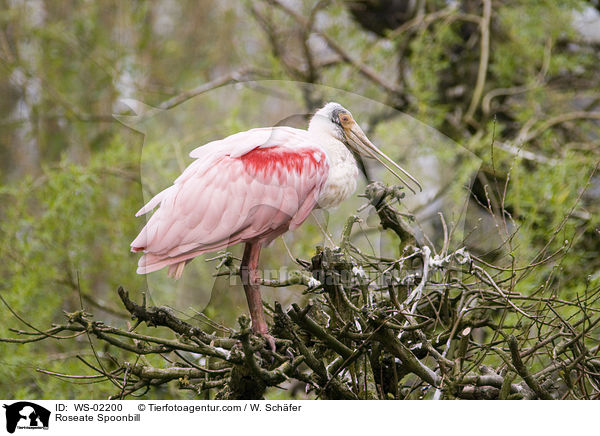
(252, 187)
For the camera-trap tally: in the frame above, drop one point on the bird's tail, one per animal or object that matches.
(150, 262)
(176, 269)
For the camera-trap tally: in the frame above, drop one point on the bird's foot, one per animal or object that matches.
(267, 337)
(270, 341)
(259, 327)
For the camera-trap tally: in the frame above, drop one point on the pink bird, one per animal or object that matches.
(252, 187)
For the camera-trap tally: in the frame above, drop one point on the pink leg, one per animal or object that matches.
(251, 280)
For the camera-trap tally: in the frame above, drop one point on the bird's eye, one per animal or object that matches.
(345, 119)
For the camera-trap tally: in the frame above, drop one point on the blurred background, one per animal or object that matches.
(493, 104)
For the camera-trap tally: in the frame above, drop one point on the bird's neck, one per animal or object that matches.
(343, 171)
(338, 153)
(341, 180)
(328, 137)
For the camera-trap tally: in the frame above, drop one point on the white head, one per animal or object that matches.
(335, 120)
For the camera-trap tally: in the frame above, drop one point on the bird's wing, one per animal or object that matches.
(237, 190)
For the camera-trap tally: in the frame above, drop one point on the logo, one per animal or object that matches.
(26, 415)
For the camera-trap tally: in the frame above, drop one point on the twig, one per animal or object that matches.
(483, 60)
(524, 373)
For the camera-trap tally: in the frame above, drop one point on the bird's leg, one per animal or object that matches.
(251, 281)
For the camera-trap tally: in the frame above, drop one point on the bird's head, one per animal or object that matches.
(337, 121)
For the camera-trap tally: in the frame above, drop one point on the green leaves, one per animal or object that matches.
(62, 232)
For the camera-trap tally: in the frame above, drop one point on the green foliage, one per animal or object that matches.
(62, 231)
(431, 58)
(71, 174)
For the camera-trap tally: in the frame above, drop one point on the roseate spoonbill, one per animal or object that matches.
(252, 187)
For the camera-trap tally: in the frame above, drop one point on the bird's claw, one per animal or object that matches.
(270, 341)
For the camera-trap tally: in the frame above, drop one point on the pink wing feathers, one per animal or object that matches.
(250, 186)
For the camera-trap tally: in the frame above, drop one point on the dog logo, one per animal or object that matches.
(26, 415)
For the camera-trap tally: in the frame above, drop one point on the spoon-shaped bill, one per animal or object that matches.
(357, 137)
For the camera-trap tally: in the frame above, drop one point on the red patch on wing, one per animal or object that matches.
(273, 161)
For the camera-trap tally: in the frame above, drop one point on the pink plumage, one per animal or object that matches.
(249, 187)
